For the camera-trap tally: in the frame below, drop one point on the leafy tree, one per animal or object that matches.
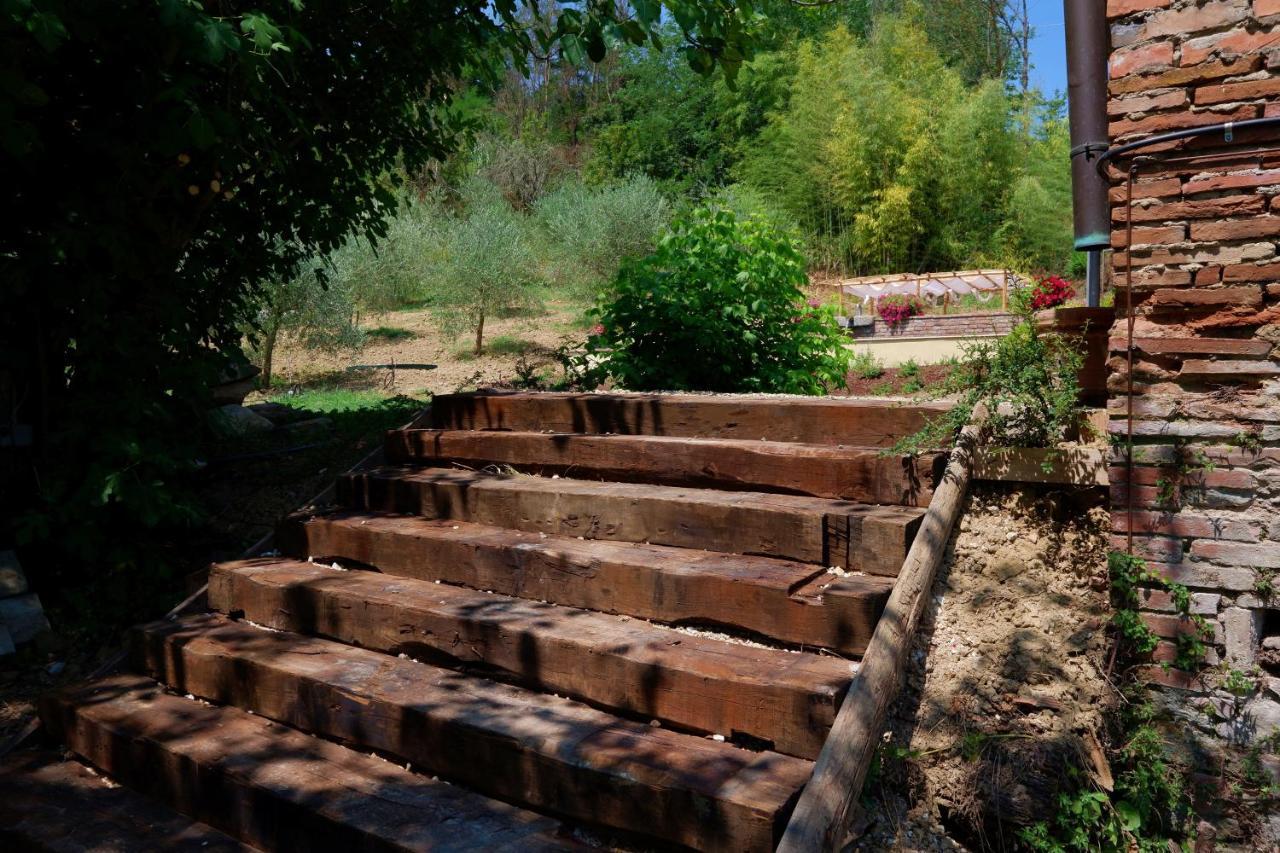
(166, 158)
(592, 230)
(717, 307)
(485, 265)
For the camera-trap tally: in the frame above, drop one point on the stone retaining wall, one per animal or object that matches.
(937, 326)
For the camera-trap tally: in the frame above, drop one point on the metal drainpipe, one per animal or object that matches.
(1087, 44)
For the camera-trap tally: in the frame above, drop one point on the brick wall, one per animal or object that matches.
(938, 326)
(1206, 380)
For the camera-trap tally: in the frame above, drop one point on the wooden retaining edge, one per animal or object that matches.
(826, 809)
(1070, 466)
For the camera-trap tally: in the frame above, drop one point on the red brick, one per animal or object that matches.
(1174, 626)
(1147, 102)
(1223, 45)
(1178, 120)
(1163, 188)
(1236, 205)
(1155, 56)
(1215, 479)
(1251, 272)
(1262, 8)
(1263, 556)
(1243, 91)
(1199, 368)
(1119, 8)
(1205, 576)
(1170, 677)
(1193, 18)
(1209, 297)
(1152, 277)
(1202, 73)
(1179, 346)
(1207, 276)
(1184, 524)
(1217, 183)
(1161, 549)
(1144, 497)
(1150, 235)
(1236, 229)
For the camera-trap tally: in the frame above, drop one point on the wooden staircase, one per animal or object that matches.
(550, 618)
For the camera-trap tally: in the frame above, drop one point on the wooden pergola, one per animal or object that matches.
(932, 285)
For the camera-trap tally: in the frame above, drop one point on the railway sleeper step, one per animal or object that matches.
(503, 741)
(273, 787)
(867, 423)
(57, 805)
(789, 601)
(785, 699)
(829, 533)
(865, 474)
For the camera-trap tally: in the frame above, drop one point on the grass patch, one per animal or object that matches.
(332, 400)
(509, 345)
(390, 334)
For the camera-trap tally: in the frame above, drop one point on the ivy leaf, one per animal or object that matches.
(47, 29)
(1129, 815)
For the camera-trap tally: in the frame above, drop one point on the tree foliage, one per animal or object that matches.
(891, 162)
(717, 307)
(164, 159)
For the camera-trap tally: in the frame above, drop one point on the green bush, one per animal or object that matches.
(865, 365)
(1028, 381)
(591, 230)
(717, 307)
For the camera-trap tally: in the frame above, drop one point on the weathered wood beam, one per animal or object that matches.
(813, 420)
(825, 811)
(854, 536)
(621, 664)
(841, 472)
(787, 600)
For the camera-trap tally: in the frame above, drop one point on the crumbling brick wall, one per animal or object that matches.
(1206, 380)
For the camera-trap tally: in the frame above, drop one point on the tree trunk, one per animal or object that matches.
(268, 352)
(480, 335)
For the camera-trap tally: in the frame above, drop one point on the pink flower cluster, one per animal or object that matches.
(1051, 292)
(894, 309)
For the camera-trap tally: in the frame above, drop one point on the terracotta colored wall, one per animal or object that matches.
(1206, 380)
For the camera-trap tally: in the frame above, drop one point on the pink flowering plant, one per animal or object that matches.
(1050, 293)
(895, 309)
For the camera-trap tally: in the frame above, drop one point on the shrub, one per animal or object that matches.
(894, 309)
(717, 307)
(865, 365)
(1028, 381)
(592, 230)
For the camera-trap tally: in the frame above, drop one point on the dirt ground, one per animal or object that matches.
(533, 337)
(1005, 683)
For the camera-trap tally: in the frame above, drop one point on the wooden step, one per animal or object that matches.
(785, 699)
(812, 530)
(60, 806)
(850, 473)
(274, 787)
(790, 601)
(866, 423)
(504, 741)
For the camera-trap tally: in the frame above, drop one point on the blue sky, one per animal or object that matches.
(1048, 47)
